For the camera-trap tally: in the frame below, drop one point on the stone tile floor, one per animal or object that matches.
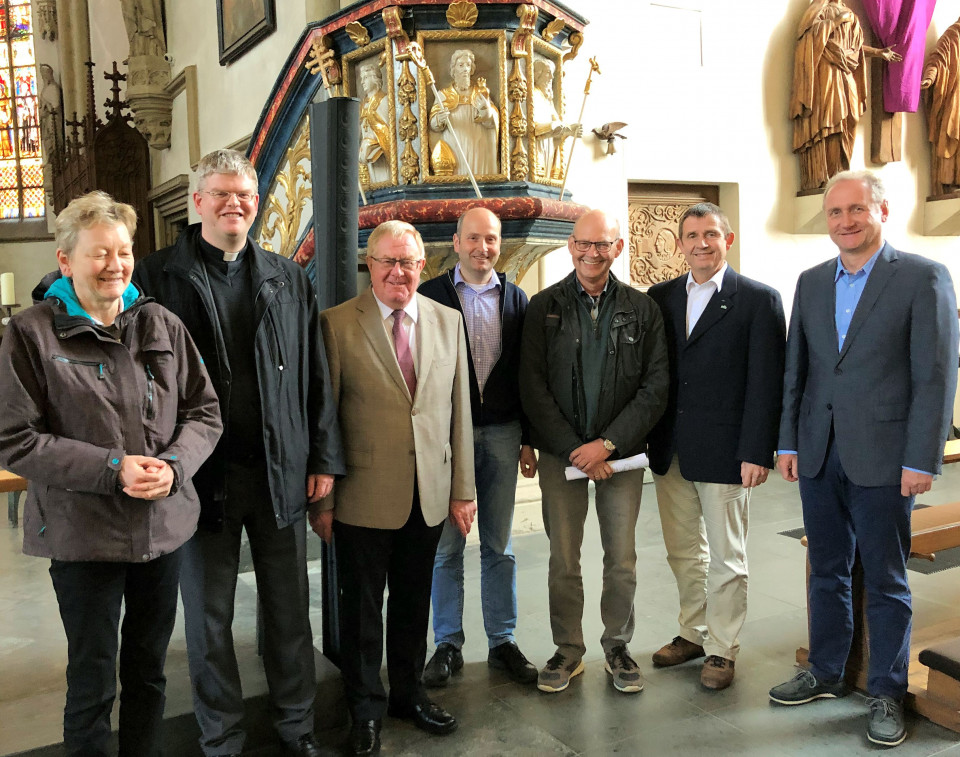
(673, 715)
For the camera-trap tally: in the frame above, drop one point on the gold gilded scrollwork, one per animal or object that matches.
(407, 95)
(654, 251)
(391, 21)
(462, 15)
(528, 21)
(283, 215)
(576, 42)
(517, 92)
(552, 29)
(358, 33)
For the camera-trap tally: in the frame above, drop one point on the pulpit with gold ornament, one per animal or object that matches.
(454, 100)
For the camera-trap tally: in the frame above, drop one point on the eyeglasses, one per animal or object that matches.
(584, 245)
(407, 264)
(220, 195)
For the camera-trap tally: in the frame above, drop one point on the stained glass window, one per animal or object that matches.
(21, 158)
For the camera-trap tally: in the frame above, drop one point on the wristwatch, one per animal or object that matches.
(609, 446)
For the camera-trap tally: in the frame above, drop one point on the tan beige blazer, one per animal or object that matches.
(387, 435)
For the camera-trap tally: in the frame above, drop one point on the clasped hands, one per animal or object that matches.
(145, 477)
(591, 458)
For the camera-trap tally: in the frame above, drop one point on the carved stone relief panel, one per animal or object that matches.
(654, 210)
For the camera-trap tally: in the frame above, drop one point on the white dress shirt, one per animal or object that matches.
(698, 295)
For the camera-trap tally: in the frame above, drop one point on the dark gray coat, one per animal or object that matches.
(635, 378)
(300, 430)
(73, 401)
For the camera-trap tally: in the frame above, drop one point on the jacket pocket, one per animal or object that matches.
(626, 337)
(95, 365)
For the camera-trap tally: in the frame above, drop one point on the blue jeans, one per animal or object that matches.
(839, 517)
(496, 455)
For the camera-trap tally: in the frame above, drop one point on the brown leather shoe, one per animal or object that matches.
(677, 651)
(717, 672)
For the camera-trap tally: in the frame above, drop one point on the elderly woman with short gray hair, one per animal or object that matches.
(106, 409)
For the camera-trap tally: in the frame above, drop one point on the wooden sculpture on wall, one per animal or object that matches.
(941, 78)
(829, 89)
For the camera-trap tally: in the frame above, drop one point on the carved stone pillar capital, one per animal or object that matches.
(150, 102)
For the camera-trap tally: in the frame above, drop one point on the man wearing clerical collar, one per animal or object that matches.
(254, 318)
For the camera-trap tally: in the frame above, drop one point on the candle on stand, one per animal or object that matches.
(8, 294)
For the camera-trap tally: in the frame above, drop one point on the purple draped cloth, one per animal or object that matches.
(901, 24)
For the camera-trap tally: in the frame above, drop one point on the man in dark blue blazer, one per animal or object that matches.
(868, 394)
(725, 339)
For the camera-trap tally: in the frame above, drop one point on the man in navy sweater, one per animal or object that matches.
(493, 310)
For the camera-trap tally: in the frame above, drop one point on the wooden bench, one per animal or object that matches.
(937, 694)
(934, 529)
(13, 485)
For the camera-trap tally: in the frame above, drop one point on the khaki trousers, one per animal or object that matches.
(705, 532)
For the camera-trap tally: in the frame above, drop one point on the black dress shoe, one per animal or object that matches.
(426, 716)
(305, 746)
(446, 661)
(364, 737)
(508, 657)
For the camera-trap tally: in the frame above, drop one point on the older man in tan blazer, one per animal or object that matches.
(399, 373)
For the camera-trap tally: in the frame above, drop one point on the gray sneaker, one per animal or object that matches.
(625, 672)
(886, 726)
(804, 687)
(558, 671)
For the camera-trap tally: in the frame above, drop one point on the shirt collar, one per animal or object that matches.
(458, 280)
(867, 267)
(386, 311)
(581, 290)
(717, 279)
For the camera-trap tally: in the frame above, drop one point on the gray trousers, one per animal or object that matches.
(208, 584)
(564, 513)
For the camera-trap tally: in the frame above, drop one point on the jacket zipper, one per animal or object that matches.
(91, 363)
(151, 413)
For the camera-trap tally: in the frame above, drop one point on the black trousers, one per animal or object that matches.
(368, 560)
(208, 586)
(89, 595)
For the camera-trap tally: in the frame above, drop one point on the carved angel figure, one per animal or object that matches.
(375, 155)
(829, 89)
(548, 129)
(941, 76)
(467, 107)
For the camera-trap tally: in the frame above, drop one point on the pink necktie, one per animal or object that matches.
(401, 343)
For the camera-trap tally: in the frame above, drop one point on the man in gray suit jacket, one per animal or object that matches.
(870, 380)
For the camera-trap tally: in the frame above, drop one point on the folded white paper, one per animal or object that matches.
(572, 473)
